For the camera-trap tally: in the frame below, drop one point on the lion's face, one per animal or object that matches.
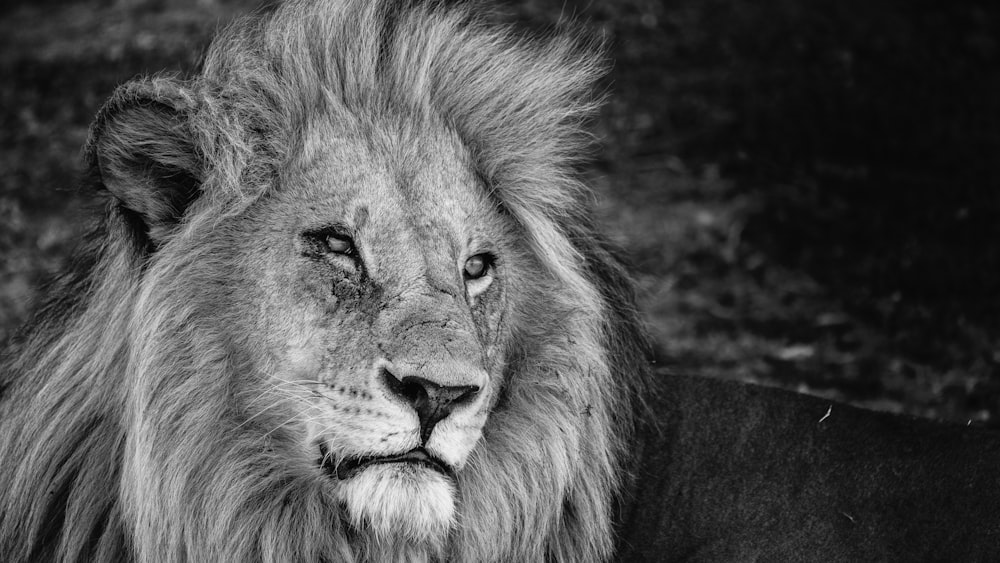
(378, 284)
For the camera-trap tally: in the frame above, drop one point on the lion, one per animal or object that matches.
(346, 302)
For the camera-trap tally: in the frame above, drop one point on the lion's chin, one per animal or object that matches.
(400, 501)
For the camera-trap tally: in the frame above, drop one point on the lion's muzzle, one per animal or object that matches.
(432, 401)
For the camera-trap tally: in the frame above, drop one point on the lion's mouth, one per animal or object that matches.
(352, 466)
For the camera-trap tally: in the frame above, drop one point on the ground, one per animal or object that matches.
(807, 190)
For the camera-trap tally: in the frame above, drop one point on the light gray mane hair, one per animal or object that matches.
(517, 103)
(541, 486)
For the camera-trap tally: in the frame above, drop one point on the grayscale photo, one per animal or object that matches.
(500, 281)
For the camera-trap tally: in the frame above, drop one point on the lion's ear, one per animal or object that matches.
(141, 147)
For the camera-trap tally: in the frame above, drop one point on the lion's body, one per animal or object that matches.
(736, 472)
(277, 287)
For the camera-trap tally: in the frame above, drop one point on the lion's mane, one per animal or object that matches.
(78, 475)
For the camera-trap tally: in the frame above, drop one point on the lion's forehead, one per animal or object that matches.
(405, 193)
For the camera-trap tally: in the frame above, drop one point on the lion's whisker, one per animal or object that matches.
(278, 384)
(290, 420)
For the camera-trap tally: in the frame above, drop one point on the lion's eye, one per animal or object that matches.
(478, 274)
(475, 266)
(330, 243)
(340, 244)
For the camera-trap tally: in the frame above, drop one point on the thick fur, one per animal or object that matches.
(147, 412)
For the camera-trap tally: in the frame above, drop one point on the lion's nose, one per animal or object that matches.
(433, 402)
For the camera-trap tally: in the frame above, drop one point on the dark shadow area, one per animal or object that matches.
(863, 136)
(873, 130)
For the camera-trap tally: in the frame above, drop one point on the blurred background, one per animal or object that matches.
(808, 189)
